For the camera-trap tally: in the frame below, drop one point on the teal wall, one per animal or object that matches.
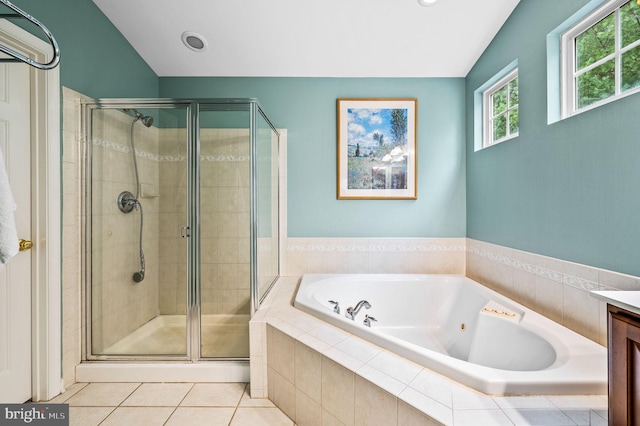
(306, 107)
(96, 59)
(99, 62)
(569, 190)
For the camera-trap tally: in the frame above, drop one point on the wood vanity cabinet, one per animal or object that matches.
(624, 367)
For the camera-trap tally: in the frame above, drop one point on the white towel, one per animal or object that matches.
(8, 232)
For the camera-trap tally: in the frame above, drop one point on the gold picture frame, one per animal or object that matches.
(377, 148)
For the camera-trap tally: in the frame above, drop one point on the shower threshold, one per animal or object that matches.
(163, 372)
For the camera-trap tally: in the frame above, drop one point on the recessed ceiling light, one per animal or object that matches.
(427, 3)
(194, 41)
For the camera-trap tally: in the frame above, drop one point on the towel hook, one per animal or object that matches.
(20, 57)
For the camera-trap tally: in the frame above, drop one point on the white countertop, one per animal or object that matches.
(629, 300)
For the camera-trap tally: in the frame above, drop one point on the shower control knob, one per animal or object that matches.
(126, 202)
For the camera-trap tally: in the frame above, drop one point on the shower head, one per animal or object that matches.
(147, 120)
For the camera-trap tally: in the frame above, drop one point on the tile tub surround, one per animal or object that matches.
(552, 287)
(374, 256)
(318, 374)
(555, 288)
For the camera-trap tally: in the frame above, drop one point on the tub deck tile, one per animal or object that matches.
(378, 378)
(358, 348)
(434, 386)
(314, 343)
(343, 359)
(329, 334)
(395, 366)
(429, 406)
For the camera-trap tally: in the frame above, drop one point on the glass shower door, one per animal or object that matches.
(137, 173)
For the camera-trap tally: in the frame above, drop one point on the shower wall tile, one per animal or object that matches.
(116, 235)
(225, 226)
(72, 224)
(172, 181)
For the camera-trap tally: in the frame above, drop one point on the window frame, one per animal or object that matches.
(487, 109)
(569, 101)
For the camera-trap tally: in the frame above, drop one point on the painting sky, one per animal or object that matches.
(364, 122)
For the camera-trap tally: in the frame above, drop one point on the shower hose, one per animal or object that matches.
(137, 276)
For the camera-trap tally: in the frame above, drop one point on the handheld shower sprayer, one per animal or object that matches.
(127, 201)
(139, 276)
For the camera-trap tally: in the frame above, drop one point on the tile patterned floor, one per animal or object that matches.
(169, 404)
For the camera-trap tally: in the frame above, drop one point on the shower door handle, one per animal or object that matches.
(184, 232)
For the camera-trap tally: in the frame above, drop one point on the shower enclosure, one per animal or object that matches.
(181, 218)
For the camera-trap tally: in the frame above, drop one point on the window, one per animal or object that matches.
(601, 57)
(500, 110)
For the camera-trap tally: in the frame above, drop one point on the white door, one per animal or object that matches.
(15, 277)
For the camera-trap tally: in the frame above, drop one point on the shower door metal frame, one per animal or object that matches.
(193, 323)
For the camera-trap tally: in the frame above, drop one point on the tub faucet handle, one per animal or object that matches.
(368, 319)
(336, 308)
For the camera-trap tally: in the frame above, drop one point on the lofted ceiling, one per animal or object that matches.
(302, 38)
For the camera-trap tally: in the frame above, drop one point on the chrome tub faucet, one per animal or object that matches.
(352, 312)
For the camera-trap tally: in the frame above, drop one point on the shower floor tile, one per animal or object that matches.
(193, 404)
(223, 336)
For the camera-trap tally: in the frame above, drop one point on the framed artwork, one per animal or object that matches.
(377, 148)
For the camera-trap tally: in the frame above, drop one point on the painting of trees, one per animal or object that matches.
(378, 139)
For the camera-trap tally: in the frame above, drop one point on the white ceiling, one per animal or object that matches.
(303, 38)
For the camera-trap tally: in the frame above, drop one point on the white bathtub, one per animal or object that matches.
(463, 330)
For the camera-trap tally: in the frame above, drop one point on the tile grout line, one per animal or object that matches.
(119, 404)
(175, 408)
(238, 404)
(112, 408)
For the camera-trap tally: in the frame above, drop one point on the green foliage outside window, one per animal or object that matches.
(596, 54)
(505, 117)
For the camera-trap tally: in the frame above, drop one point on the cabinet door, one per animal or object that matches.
(624, 369)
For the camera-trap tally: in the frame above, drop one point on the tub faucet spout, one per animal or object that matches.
(352, 312)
